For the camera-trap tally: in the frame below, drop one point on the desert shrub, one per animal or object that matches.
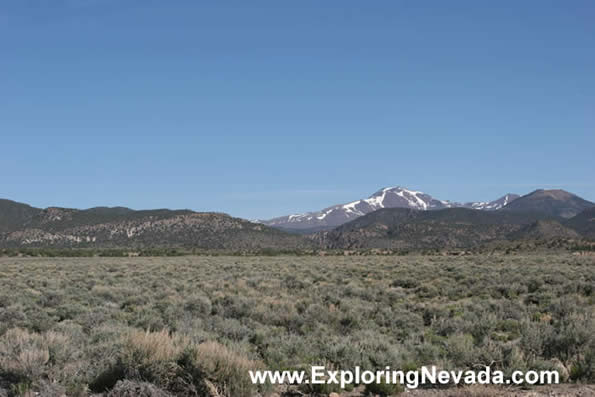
(507, 330)
(33, 358)
(291, 282)
(12, 317)
(422, 354)
(232, 306)
(69, 311)
(383, 389)
(282, 350)
(320, 389)
(198, 305)
(374, 351)
(573, 337)
(147, 318)
(339, 352)
(533, 284)
(317, 313)
(24, 355)
(127, 388)
(459, 349)
(480, 324)
(38, 320)
(230, 328)
(405, 282)
(50, 389)
(427, 291)
(106, 293)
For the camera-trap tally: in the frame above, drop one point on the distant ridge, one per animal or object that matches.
(23, 226)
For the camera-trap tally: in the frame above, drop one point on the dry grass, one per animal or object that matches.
(228, 370)
(147, 347)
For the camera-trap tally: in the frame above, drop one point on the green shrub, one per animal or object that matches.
(383, 389)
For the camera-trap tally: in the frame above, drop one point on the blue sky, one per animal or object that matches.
(264, 108)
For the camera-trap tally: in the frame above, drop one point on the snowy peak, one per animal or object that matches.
(396, 197)
(492, 205)
(388, 197)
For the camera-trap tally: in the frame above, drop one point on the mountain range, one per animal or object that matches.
(392, 218)
(388, 197)
(545, 215)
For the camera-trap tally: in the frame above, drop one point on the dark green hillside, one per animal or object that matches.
(13, 215)
(544, 230)
(385, 216)
(409, 229)
(552, 202)
(584, 223)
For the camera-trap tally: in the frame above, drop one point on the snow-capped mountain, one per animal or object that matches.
(389, 197)
(492, 205)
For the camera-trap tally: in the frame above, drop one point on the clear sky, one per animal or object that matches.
(265, 108)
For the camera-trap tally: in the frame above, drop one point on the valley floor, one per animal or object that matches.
(193, 326)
